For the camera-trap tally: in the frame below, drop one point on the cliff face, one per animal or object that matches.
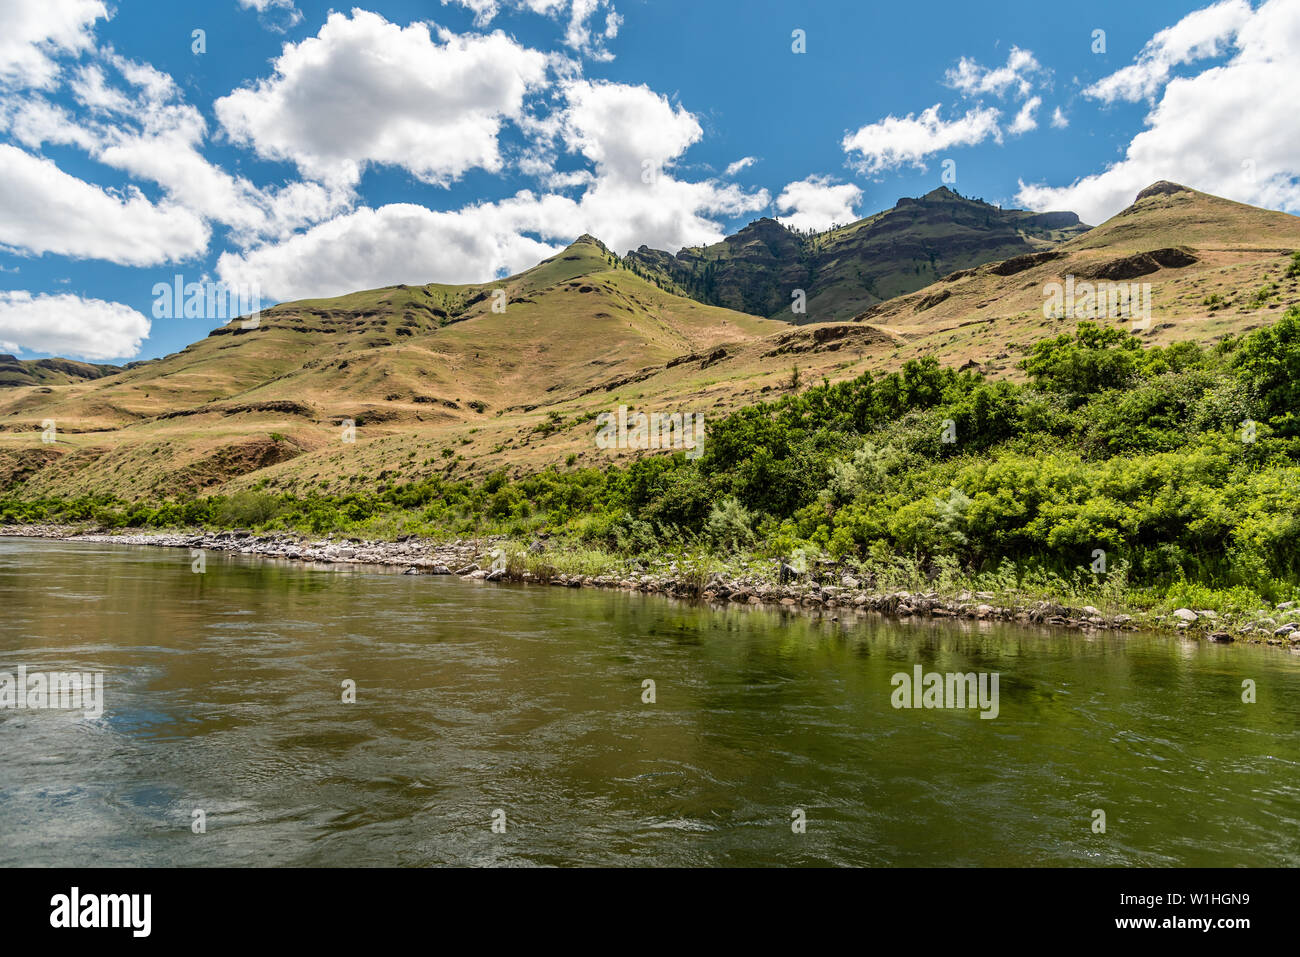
(848, 269)
(751, 271)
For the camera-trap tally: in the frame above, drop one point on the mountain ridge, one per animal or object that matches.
(848, 268)
(433, 379)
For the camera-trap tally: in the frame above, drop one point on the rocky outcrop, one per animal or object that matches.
(1139, 264)
(231, 461)
(845, 272)
(753, 271)
(1009, 267)
(1161, 188)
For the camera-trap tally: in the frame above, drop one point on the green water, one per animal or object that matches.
(223, 693)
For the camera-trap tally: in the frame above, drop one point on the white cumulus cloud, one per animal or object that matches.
(1232, 130)
(817, 203)
(745, 162)
(1025, 120)
(34, 32)
(137, 122)
(625, 130)
(1200, 35)
(401, 242)
(69, 325)
(898, 140)
(633, 138)
(43, 209)
(364, 90)
(1017, 75)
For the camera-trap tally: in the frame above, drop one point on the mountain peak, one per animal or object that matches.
(1168, 214)
(1161, 188)
(586, 239)
(941, 193)
(847, 270)
(764, 227)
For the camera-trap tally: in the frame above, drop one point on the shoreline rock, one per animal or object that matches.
(423, 557)
(786, 589)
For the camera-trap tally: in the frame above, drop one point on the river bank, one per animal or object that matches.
(496, 559)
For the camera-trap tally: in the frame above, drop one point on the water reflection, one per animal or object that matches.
(223, 693)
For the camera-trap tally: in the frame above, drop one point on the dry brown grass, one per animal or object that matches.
(578, 338)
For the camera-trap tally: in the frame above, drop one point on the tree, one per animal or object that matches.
(1269, 362)
(1092, 359)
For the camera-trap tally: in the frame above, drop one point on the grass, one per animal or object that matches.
(692, 565)
(1007, 587)
(327, 355)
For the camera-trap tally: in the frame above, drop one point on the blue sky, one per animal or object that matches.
(309, 151)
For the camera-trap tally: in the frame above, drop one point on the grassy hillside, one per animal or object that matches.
(16, 372)
(1215, 268)
(441, 386)
(431, 377)
(1168, 214)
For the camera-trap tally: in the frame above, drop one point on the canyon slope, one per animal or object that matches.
(462, 380)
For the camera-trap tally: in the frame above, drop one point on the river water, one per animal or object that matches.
(475, 703)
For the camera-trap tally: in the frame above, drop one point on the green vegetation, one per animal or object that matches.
(1263, 294)
(1293, 270)
(1181, 464)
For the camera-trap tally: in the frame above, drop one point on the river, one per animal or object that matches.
(771, 740)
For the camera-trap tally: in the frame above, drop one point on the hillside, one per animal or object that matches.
(21, 372)
(1214, 267)
(850, 268)
(428, 374)
(438, 383)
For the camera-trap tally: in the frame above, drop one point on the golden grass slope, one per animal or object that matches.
(436, 381)
(1236, 283)
(431, 366)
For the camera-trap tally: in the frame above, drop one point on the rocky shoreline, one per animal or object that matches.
(479, 560)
